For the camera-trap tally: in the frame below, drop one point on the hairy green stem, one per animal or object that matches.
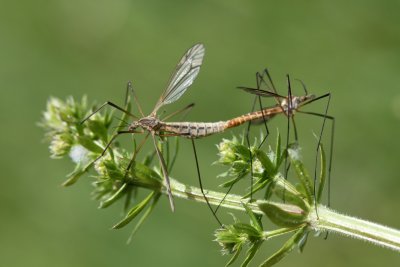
(329, 220)
(229, 201)
(325, 220)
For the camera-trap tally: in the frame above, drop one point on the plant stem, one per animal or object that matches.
(326, 220)
(329, 220)
(221, 199)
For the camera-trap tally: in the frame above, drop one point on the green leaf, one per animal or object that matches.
(322, 176)
(253, 218)
(266, 162)
(247, 229)
(278, 151)
(258, 186)
(230, 182)
(88, 143)
(286, 249)
(98, 128)
(114, 197)
(242, 151)
(251, 253)
(74, 176)
(134, 212)
(283, 215)
(149, 158)
(302, 174)
(288, 193)
(144, 217)
(302, 241)
(235, 256)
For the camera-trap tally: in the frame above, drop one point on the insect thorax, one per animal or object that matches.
(149, 123)
(296, 102)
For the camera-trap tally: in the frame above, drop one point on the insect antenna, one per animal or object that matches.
(130, 88)
(303, 85)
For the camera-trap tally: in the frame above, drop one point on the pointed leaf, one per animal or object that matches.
(258, 187)
(286, 249)
(248, 229)
(322, 175)
(253, 218)
(235, 256)
(114, 197)
(242, 151)
(288, 193)
(283, 215)
(144, 217)
(251, 253)
(302, 174)
(278, 151)
(302, 241)
(88, 143)
(134, 212)
(74, 176)
(266, 162)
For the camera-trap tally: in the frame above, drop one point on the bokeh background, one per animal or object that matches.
(73, 48)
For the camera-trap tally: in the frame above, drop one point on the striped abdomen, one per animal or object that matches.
(192, 129)
(201, 129)
(266, 114)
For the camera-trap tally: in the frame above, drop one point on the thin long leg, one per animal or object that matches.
(130, 87)
(318, 148)
(135, 153)
(187, 108)
(165, 172)
(332, 119)
(223, 199)
(272, 85)
(250, 154)
(169, 134)
(296, 136)
(201, 184)
(271, 89)
(110, 104)
(288, 113)
(248, 141)
(260, 79)
(325, 116)
(110, 142)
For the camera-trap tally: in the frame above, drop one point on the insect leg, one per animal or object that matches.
(165, 172)
(201, 184)
(110, 104)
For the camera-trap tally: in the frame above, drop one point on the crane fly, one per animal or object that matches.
(290, 105)
(185, 73)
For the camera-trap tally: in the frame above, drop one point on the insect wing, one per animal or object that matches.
(186, 71)
(259, 92)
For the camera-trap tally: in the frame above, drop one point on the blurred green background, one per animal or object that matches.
(61, 48)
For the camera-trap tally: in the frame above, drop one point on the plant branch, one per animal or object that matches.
(326, 220)
(230, 201)
(329, 220)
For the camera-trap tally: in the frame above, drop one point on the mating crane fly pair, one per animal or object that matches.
(185, 73)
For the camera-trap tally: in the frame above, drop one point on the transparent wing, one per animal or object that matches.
(183, 76)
